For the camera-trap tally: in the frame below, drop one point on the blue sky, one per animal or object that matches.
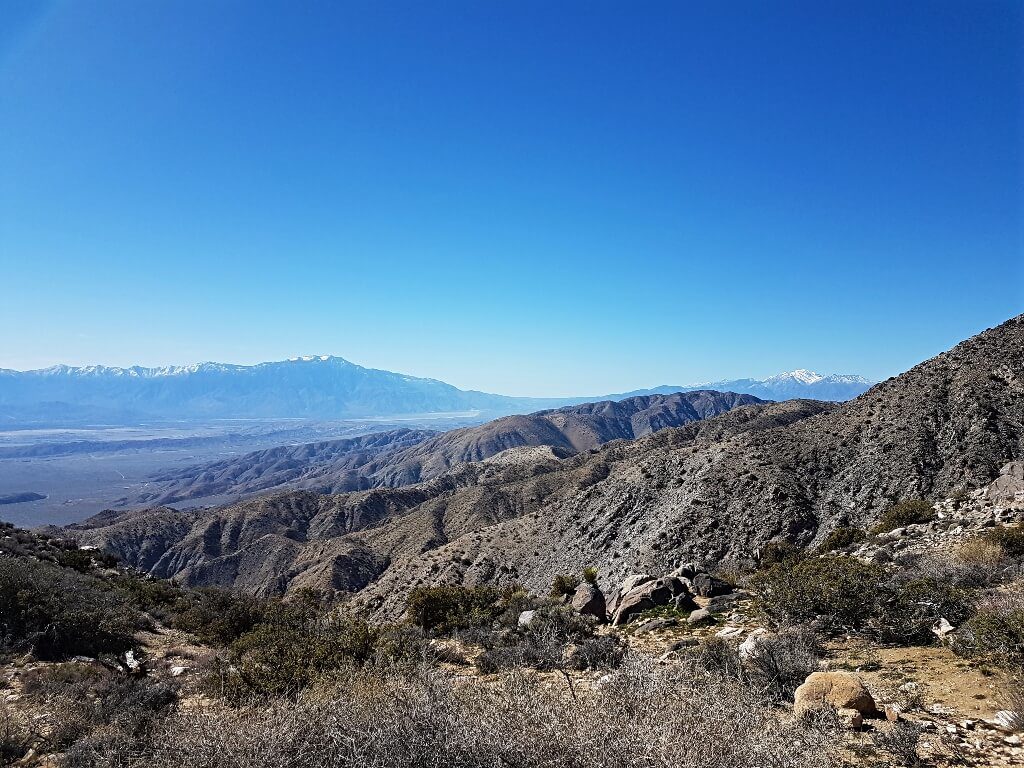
(523, 197)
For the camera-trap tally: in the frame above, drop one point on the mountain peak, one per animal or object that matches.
(802, 375)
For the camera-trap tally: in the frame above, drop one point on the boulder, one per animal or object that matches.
(841, 690)
(630, 583)
(589, 601)
(1009, 483)
(706, 585)
(699, 616)
(669, 590)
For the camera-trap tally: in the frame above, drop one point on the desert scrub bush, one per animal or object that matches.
(56, 612)
(82, 700)
(779, 553)
(590, 575)
(217, 616)
(1009, 538)
(445, 608)
(779, 663)
(908, 605)
(564, 585)
(841, 538)
(995, 633)
(15, 735)
(832, 590)
(557, 637)
(978, 562)
(904, 513)
(281, 657)
(643, 716)
(900, 741)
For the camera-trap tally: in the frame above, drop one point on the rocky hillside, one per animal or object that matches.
(403, 457)
(707, 491)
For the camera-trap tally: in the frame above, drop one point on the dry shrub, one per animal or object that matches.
(904, 513)
(15, 735)
(996, 631)
(983, 559)
(900, 741)
(645, 716)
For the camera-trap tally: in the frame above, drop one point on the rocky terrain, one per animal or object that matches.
(404, 457)
(708, 491)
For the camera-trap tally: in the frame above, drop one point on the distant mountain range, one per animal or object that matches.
(322, 387)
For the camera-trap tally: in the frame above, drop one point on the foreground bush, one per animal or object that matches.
(904, 513)
(56, 612)
(645, 716)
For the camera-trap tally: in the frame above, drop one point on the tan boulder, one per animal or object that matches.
(841, 690)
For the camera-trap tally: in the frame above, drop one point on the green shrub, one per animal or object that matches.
(590, 575)
(279, 658)
(564, 585)
(837, 590)
(217, 616)
(779, 553)
(908, 606)
(904, 513)
(450, 607)
(56, 612)
(841, 538)
(1009, 537)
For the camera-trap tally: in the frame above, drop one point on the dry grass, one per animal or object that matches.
(643, 716)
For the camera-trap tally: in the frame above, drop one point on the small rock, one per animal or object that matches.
(178, 671)
(748, 648)
(943, 628)
(701, 615)
(526, 617)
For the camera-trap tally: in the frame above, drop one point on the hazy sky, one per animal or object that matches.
(524, 197)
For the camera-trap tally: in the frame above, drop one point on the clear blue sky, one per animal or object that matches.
(522, 197)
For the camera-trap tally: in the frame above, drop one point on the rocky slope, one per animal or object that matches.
(403, 457)
(707, 491)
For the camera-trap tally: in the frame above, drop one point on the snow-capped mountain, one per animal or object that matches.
(800, 383)
(312, 387)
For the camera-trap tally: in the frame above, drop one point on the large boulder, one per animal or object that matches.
(1009, 484)
(669, 590)
(842, 690)
(589, 601)
(628, 584)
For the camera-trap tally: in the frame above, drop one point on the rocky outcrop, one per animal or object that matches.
(642, 592)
